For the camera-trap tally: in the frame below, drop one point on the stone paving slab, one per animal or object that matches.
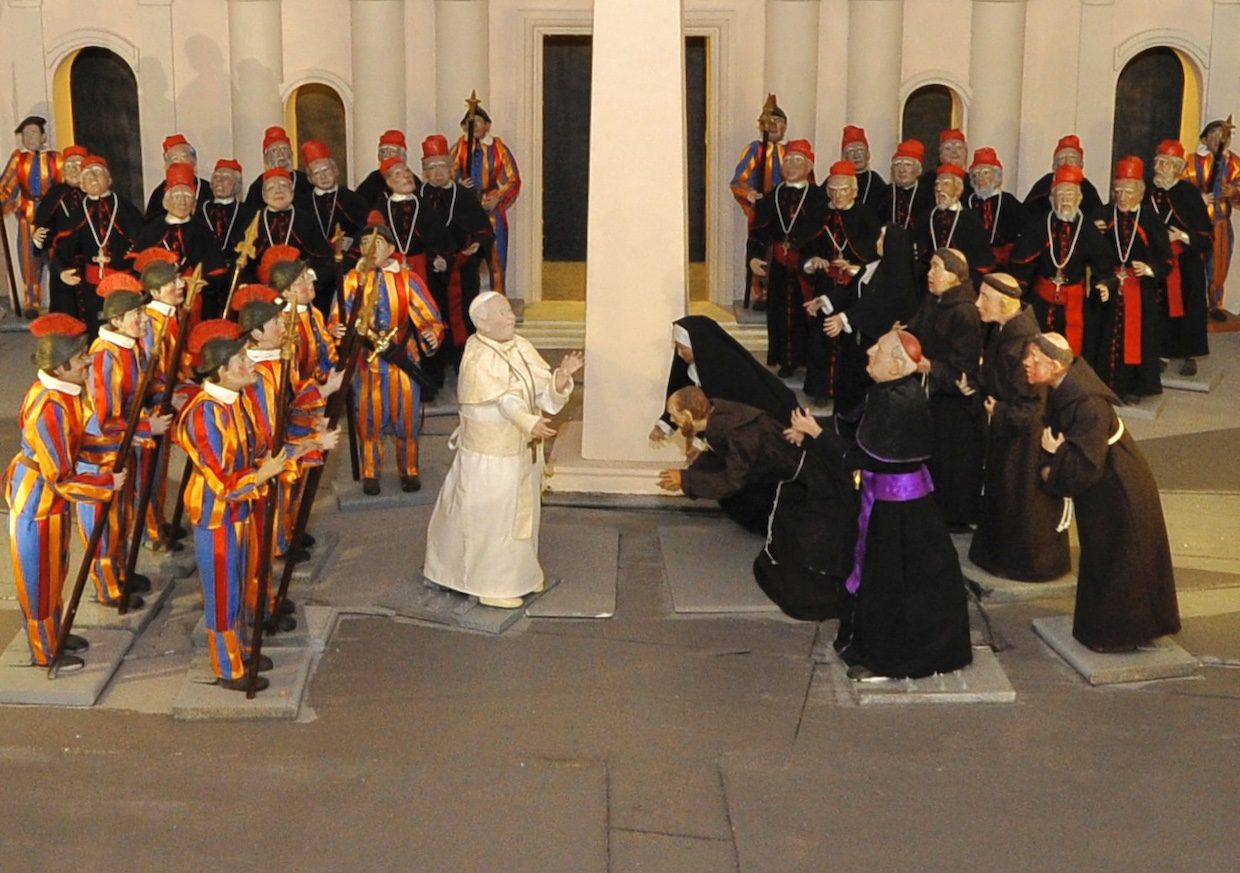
(1163, 659)
(170, 565)
(1207, 379)
(308, 572)
(709, 568)
(427, 601)
(684, 798)
(201, 699)
(91, 613)
(634, 851)
(349, 496)
(586, 561)
(22, 683)
(1147, 409)
(1000, 590)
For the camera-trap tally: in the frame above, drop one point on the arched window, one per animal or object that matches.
(315, 111)
(97, 101)
(1156, 98)
(929, 111)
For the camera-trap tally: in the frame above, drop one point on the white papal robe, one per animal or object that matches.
(483, 534)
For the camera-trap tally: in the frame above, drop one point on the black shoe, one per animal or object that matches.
(288, 607)
(167, 533)
(1218, 314)
(307, 541)
(280, 624)
(242, 683)
(759, 306)
(785, 372)
(135, 603)
(428, 395)
(295, 555)
(169, 546)
(140, 584)
(410, 483)
(74, 643)
(31, 314)
(370, 487)
(1188, 368)
(69, 664)
(264, 663)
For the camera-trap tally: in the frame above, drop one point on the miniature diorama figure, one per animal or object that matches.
(31, 172)
(483, 534)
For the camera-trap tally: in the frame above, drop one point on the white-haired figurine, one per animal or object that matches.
(483, 535)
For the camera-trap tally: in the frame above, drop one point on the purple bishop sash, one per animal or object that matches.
(890, 488)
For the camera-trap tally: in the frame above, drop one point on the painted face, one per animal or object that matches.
(481, 127)
(904, 172)
(180, 154)
(278, 154)
(939, 279)
(400, 179)
(302, 289)
(96, 181)
(172, 293)
(498, 322)
(986, 179)
(180, 201)
(796, 167)
(132, 323)
(270, 335)
(74, 370)
(859, 154)
(947, 190)
(778, 127)
(383, 250)
(990, 304)
(1066, 198)
(684, 352)
(72, 171)
(278, 194)
(953, 151)
(1212, 139)
(885, 359)
(1167, 169)
(1128, 193)
(225, 184)
(1039, 368)
(324, 173)
(842, 191)
(438, 172)
(238, 373)
(1067, 156)
(388, 150)
(33, 137)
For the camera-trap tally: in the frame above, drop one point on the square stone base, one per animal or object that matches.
(427, 601)
(298, 636)
(1147, 409)
(309, 572)
(201, 699)
(1000, 590)
(1208, 376)
(586, 560)
(22, 682)
(349, 496)
(1163, 659)
(709, 568)
(91, 613)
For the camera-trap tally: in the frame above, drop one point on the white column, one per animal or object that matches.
(377, 31)
(637, 248)
(791, 62)
(462, 60)
(256, 64)
(1095, 90)
(875, 48)
(156, 88)
(996, 70)
(1222, 97)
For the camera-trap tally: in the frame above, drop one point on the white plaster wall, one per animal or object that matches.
(936, 49)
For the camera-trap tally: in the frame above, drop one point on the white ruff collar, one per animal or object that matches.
(216, 391)
(51, 383)
(125, 342)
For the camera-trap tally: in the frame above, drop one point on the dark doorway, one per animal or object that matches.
(1149, 102)
(318, 114)
(103, 93)
(929, 111)
(566, 160)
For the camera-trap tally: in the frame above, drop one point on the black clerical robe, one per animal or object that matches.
(1130, 322)
(193, 245)
(956, 229)
(1125, 590)
(57, 212)
(1016, 534)
(950, 332)
(1038, 200)
(905, 611)
(786, 232)
(302, 188)
(455, 287)
(155, 204)
(95, 243)
(1183, 291)
(1003, 218)
(907, 207)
